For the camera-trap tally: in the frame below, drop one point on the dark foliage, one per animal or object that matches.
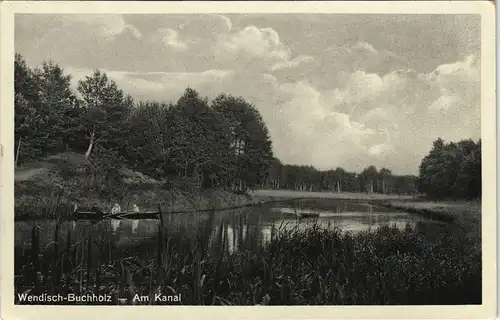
(307, 178)
(193, 144)
(452, 170)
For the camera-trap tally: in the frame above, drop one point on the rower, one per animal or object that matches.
(135, 208)
(116, 209)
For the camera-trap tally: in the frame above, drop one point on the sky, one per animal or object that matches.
(335, 90)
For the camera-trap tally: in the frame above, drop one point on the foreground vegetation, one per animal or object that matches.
(425, 264)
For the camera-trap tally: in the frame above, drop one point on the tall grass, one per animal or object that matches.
(425, 264)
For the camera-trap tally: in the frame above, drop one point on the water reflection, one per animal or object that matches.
(248, 227)
(115, 224)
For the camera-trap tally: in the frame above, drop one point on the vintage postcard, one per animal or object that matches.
(282, 160)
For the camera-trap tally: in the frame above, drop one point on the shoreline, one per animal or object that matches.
(439, 210)
(427, 213)
(204, 203)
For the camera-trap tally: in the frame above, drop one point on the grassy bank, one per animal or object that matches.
(51, 187)
(461, 211)
(273, 194)
(464, 216)
(427, 264)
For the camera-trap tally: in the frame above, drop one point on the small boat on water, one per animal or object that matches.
(308, 215)
(96, 214)
(136, 215)
(123, 215)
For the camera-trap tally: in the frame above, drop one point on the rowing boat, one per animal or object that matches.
(304, 215)
(90, 215)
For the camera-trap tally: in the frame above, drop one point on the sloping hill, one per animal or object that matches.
(42, 169)
(52, 186)
(57, 182)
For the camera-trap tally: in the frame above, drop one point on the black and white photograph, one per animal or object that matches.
(250, 158)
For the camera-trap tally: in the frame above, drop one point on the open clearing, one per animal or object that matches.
(290, 194)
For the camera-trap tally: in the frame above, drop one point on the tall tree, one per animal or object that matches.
(58, 104)
(384, 178)
(452, 170)
(200, 145)
(148, 138)
(250, 141)
(369, 178)
(105, 111)
(274, 174)
(26, 110)
(328, 180)
(339, 177)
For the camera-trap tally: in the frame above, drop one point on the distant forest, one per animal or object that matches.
(197, 143)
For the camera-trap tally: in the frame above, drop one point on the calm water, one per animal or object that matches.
(255, 222)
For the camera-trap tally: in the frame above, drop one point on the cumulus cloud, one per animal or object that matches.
(226, 21)
(384, 148)
(170, 38)
(104, 25)
(166, 86)
(467, 67)
(363, 56)
(292, 63)
(458, 83)
(82, 40)
(333, 67)
(414, 107)
(459, 101)
(323, 136)
(365, 47)
(372, 118)
(262, 44)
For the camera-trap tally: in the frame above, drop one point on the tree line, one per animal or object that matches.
(194, 141)
(450, 170)
(222, 143)
(307, 178)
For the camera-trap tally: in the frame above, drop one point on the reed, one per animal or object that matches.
(421, 264)
(89, 260)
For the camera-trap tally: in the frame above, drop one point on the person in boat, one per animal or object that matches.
(116, 209)
(135, 208)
